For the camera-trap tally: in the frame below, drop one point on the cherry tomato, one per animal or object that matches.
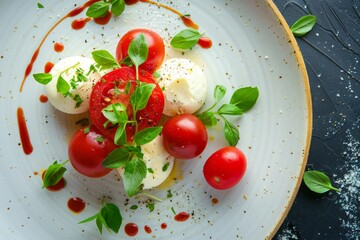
(87, 151)
(104, 94)
(184, 136)
(155, 44)
(225, 168)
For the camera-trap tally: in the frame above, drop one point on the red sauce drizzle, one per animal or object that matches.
(189, 22)
(78, 24)
(163, 226)
(76, 204)
(103, 20)
(205, 42)
(57, 187)
(182, 217)
(43, 98)
(24, 133)
(131, 229)
(81, 8)
(48, 66)
(58, 47)
(130, 2)
(147, 229)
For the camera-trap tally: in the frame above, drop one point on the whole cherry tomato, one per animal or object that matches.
(184, 136)
(225, 168)
(155, 44)
(87, 151)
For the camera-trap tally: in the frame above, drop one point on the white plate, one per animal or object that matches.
(252, 46)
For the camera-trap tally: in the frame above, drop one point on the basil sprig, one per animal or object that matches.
(138, 51)
(101, 8)
(318, 182)
(109, 217)
(242, 100)
(304, 25)
(185, 39)
(53, 174)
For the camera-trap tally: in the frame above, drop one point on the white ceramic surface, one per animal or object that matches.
(250, 47)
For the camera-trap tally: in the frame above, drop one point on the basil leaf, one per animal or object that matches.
(118, 7)
(208, 119)
(42, 78)
(127, 61)
(304, 25)
(138, 50)
(89, 219)
(117, 158)
(62, 86)
(120, 135)
(140, 97)
(53, 174)
(99, 223)
(98, 9)
(104, 59)
(185, 39)
(147, 135)
(219, 93)
(245, 98)
(230, 109)
(318, 182)
(111, 216)
(231, 133)
(134, 174)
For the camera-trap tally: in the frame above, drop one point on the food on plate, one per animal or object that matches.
(185, 136)
(71, 84)
(225, 168)
(184, 86)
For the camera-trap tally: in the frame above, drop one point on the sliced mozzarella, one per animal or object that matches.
(155, 157)
(184, 86)
(77, 99)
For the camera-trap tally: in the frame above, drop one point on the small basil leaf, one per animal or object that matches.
(219, 93)
(134, 174)
(245, 98)
(229, 109)
(127, 61)
(62, 86)
(208, 119)
(140, 97)
(185, 39)
(112, 217)
(318, 182)
(231, 133)
(98, 9)
(39, 5)
(138, 50)
(42, 78)
(104, 59)
(120, 135)
(89, 219)
(99, 223)
(147, 135)
(304, 25)
(118, 7)
(117, 158)
(53, 174)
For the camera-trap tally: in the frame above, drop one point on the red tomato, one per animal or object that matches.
(87, 151)
(104, 94)
(184, 136)
(225, 168)
(155, 44)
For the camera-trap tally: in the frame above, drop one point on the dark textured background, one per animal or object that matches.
(332, 53)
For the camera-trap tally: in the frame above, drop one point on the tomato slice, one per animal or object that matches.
(105, 93)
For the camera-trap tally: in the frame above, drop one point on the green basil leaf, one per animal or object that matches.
(147, 135)
(304, 25)
(229, 109)
(245, 98)
(89, 219)
(138, 50)
(98, 9)
(151, 206)
(134, 174)
(318, 182)
(208, 119)
(219, 93)
(185, 39)
(117, 158)
(127, 61)
(120, 135)
(231, 133)
(140, 97)
(118, 7)
(104, 59)
(42, 78)
(99, 223)
(112, 217)
(53, 174)
(62, 86)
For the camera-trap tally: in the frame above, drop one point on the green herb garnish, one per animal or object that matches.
(43, 78)
(138, 51)
(304, 25)
(101, 8)
(39, 5)
(185, 39)
(53, 174)
(318, 182)
(104, 59)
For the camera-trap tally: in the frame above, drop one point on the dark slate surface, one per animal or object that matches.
(332, 54)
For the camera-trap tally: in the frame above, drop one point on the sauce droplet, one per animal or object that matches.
(205, 42)
(182, 217)
(214, 201)
(24, 133)
(57, 187)
(48, 66)
(130, 2)
(43, 98)
(103, 20)
(163, 226)
(58, 47)
(189, 22)
(76, 205)
(131, 229)
(147, 229)
(78, 24)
